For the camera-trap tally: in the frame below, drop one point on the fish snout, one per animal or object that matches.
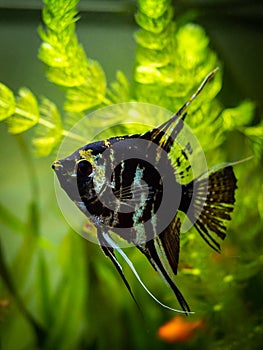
(57, 165)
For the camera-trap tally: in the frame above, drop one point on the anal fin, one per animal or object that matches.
(169, 243)
(152, 255)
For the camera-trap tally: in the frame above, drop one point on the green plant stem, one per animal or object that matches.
(30, 166)
(73, 136)
(49, 125)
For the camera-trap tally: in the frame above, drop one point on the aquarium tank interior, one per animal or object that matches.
(61, 61)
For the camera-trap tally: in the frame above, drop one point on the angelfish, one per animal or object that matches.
(129, 185)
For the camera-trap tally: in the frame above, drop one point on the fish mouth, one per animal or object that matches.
(67, 179)
(61, 170)
(56, 165)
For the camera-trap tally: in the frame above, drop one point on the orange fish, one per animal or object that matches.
(178, 329)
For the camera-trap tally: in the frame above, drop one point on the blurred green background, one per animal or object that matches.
(64, 282)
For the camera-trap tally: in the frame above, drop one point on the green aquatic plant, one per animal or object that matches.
(58, 310)
(170, 62)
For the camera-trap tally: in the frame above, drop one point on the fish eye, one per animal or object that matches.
(84, 168)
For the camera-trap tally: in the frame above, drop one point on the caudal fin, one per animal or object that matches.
(212, 203)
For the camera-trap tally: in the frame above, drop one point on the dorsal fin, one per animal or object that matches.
(165, 134)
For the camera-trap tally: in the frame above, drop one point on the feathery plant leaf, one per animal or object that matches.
(239, 116)
(45, 141)
(89, 94)
(26, 112)
(171, 60)
(58, 38)
(65, 59)
(170, 63)
(154, 9)
(7, 102)
(119, 90)
(254, 134)
(154, 16)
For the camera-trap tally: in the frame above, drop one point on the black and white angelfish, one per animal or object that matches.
(130, 186)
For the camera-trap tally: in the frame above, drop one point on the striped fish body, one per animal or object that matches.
(129, 185)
